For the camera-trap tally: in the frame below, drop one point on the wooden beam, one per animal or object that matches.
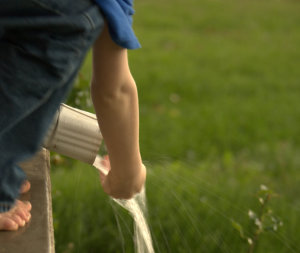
(37, 236)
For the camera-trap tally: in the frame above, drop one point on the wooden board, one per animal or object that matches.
(37, 236)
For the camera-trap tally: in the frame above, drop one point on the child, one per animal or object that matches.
(42, 45)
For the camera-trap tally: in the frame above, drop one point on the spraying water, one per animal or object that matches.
(137, 208)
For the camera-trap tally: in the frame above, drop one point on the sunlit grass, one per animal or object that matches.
(190, 208)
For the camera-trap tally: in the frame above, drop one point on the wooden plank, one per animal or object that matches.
(37, 236)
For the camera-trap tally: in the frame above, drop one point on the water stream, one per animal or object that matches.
(137, 208)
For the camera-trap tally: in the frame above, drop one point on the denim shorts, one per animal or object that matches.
(42, 46)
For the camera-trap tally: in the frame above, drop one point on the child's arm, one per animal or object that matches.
(115, 99)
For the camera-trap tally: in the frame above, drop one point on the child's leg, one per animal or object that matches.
(16, 144)
(41, 52)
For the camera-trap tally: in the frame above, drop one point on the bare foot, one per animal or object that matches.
(16, 217)
(19, 215)
(25, 187)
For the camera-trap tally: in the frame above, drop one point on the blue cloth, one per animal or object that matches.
(42, 46)
(118, 14)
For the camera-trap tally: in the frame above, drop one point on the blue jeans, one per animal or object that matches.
(42, 46)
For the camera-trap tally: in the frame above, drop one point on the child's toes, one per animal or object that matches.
(23, 214)
(27, 205)
(23, 205)
(18, 219)
(28, 217)
(25, 187)
(7, 224)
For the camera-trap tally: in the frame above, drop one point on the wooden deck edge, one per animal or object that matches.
(38, 235)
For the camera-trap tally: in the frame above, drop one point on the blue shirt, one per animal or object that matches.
(118, 14)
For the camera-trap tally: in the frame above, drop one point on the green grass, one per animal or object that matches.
(219, 94)
(190, 208)
(235, 66)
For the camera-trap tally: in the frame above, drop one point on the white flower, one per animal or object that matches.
(263, 187)
(251, 214)
(258, 223)
(250, 241)
(261, 200)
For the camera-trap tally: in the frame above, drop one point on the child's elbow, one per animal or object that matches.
(109, 95)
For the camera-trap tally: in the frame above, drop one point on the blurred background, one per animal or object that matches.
(219, 92)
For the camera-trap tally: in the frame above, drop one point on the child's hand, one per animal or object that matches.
(105, 168)
(121, 185)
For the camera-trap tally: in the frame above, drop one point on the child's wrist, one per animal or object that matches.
(125, 186)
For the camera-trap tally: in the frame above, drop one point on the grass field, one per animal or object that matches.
(219, 96)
